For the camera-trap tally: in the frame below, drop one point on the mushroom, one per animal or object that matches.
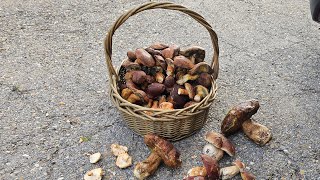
(201, 67)
(168, 153)
(245, 175)
(237, 115)
(117, 149)
(153, 51)
(138, 97)
(144, 58)
(197, 171)
(212, 167)
(169, 83)
(155, 105)
(158, 46)
(131, 55)
(258, 133)
(162, 99)
(201, 91)
(94, 174)
(178, 100)
(212, 151)
(159, 77)
(124, 160)
(189, 103)
(125, 93)
(171, 51)
(138, 77)
(220, 142)
(147, 167)
(93, 158)
(155, 89)
(195, 51)
(189, 90)
(170, 67)
(166, 106)
(185, 78)
(205, 80)
(182, 62)
(162, 150)
(231, 171)
(130, 66)
(160, 61)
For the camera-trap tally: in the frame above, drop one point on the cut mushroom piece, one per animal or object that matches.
(118, 149)
(197, 171)
(237, 115)
(258, 133)
(94, 174)
(201, 67)
(124, 160)
(245, 175)
(201, 91)
(147, 167)
(212, 151)
(221, 142)
(94, 157)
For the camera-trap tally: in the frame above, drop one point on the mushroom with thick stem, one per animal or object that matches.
(178, 100)
(144, 58)
(231, 171)
(162, 150)
(189, 91)
(212, 151)
(201, 91)
(237, 115)
(171, 51)
(201, 67)
(220, 142)
(195, 51)
(258, 133)
(182, 62)
(187, 77)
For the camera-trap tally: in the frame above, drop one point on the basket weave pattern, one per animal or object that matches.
(171, 124)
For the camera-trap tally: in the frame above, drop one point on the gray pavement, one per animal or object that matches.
(54, 84)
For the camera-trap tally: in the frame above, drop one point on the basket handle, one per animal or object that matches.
(161, 5)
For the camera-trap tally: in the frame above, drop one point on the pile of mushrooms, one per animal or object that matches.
(165, 77)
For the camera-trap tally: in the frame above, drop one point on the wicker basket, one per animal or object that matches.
(171, 124)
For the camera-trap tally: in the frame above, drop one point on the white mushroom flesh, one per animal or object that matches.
(95, 174)
(118, 149)
(95, 157)
(212, 151)
(124, 160)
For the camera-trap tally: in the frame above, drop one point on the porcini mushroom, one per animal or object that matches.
(212, 151)
(237, 115)
(162, 150)
(178, 100)
(201, 91)
(185, 78)
(205, 80)
(196, 51)
(155, 89)
(182, 62)
(197, 171)
(160, 61)
(171, 51)
(138, 77)
(153, 51)
(170, 67)
(212, 167)
(258, 133)
(158, 46)
(144, 58)
(220, 142)
(201, 67)
(131, 55)
(189, 91)
(245, 175)
(231, 171)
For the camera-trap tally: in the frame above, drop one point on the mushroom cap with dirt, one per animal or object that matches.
(221, 142)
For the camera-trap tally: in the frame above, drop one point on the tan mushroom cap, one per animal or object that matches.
(183, 62)
(219, 141)
(201, 67)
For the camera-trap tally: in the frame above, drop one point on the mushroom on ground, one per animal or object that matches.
(123, 158)
(94, 174)
(259, 133)
(212, 151)
(201, 91)
(237, 115)
(231, 171)
(162, 150)
(212, 167)
(144, 58)
(197, 171)
(117, 149)
(182, 62)
(195, 51)
(201, 67)
(245, 175)
(94, 157)
(220, 142)
(187, 77)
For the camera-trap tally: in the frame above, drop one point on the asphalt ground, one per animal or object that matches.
(54, 84)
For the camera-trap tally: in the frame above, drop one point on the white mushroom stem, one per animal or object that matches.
(229, 172)
(213, 151)
(197, 171)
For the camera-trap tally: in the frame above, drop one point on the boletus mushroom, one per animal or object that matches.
(158, 46)
(187, 77)
(202, 92)
(231, 171)
(182, 62)
(188, 91)
(209, 171)
(258, 133)
(171, 51)
(201, 67)
(220, 142)
(155, 89)
(162, 150)
(178, 100)
(144, 58)
(195, 51)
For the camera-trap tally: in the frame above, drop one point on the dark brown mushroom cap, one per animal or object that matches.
(153, 51)
(237, 115)
(158, 46)
(183, 62)
(196, 51)
(169, 81)
(130, 66)
(144, 58)
(171, 51)
(201, 67)
(245, 175)
(169, 154)
(131, 55)
(178, 100)
(138, 77)
(212, 167)
(160, 61)
(205, 80)
(155, 89)
(221, 142)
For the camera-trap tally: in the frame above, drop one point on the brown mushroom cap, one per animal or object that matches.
(158, 46)
(155, 89)
(169, 154)
(205, 80)
(201, 67)
(130, 66)
(169, 81)
(144, 58)
(183, 62)
(178, 100)
(160, 61)
(237, 115)
(153, 51)
(171, 51)
(221, 142)
(131, 55)
(212, 167)
(196, 51)
(138, 77)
